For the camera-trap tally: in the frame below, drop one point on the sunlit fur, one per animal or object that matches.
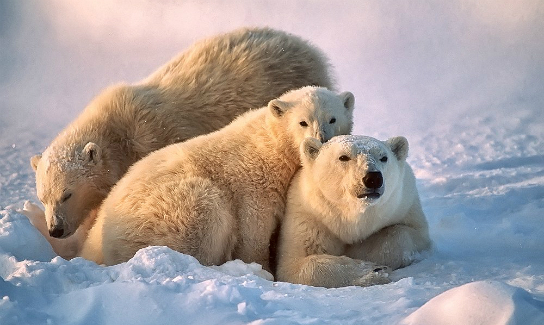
(199, 91)
(218, 196)
(331, 237)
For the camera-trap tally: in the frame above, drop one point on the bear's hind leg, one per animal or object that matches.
(211, 225)
(190, 216)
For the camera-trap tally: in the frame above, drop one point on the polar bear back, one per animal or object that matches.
(218, 196)
(246, 56)
(199, 91)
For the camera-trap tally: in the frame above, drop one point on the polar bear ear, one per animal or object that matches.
(91, 153)
(348, 99)
(399, 146)
(309, 148)
(278, 107)
(34, 161)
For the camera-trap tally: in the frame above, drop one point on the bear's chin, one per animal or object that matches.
(369, 198)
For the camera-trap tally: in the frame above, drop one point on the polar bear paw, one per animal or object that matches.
(372, 274)
(35, 215)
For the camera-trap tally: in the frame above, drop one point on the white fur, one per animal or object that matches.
(197, 92)
(219, 196)
(330, 237)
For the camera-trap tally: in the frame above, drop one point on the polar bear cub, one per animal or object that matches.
(354, 203)
(199, 91)
(219, 196)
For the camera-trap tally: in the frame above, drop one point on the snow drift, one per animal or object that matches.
(461, 80)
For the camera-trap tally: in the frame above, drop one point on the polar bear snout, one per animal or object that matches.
(372, 186)
(56, 229)
(373, 180)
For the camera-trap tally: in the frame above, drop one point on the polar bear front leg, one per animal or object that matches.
(395, 246)
(330, 271)
(392, 246)
(36, 216)
(310, 254)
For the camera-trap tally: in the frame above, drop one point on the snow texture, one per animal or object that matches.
(462, 80)
(503, 304)
(364, 144)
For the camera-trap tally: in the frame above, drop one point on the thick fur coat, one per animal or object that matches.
(198, 92)
(219, 196)
(353, 213)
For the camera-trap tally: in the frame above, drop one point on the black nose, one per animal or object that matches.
(373, 180)
(56, 232)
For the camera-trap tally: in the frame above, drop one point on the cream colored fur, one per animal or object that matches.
(219, 196)
(200, 91)
(340, 231)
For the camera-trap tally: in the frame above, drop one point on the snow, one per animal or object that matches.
(461, 80)
(362, 143)
(482, 302)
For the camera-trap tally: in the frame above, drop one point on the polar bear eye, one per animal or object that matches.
(384, 159)
(332, 120)
(303, 124)
(65, 197)
(344, 158)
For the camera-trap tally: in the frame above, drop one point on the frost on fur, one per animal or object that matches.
(353, 213)
(199, 91)
(220, 196)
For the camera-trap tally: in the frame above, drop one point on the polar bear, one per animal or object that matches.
(352, 213)
(218, 196)
(200, 91)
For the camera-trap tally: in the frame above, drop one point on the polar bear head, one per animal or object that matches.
(354, 170)
(313, 112)
(70, 183)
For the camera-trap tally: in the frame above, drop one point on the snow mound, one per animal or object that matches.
(461, 80)
(481, 302)
(28, 243)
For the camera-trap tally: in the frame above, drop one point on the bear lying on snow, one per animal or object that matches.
(200, 91)
(219, 196)
(353, 211)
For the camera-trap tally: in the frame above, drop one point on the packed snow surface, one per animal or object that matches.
(462, 80)
(481, 302)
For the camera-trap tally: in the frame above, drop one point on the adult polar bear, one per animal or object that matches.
(200, 91)
(354, 203)
(219, 196)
